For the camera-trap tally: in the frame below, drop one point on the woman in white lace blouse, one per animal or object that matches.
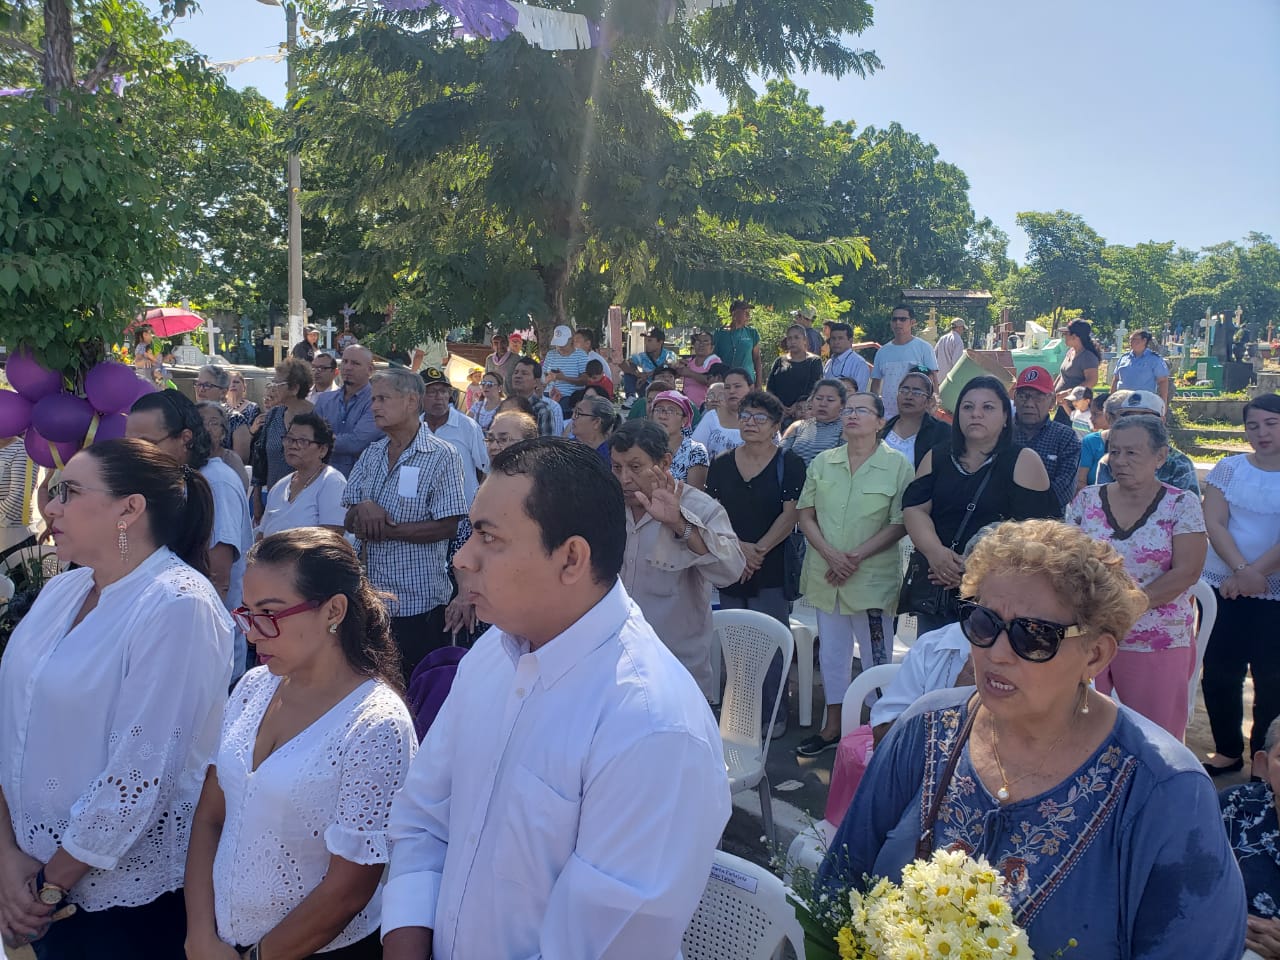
(289, 842)
(111, 691)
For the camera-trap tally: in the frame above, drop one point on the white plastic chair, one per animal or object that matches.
(743, 915)
(1204, 596)
(749, 640)
(810, 845)
(803, 639)
(874, 678)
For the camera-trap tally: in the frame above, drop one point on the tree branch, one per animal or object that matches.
(101, 68)
(20, 46)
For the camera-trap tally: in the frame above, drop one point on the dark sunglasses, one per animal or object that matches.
(268, 624)
(1031, 639)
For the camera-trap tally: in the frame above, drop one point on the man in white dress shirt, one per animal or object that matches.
(950, 348)
(567, 800)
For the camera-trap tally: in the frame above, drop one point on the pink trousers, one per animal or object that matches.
(1154, 683)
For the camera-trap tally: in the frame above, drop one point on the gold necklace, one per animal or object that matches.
(293, 492)
(1005, 783)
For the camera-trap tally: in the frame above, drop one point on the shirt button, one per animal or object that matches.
(519, 691)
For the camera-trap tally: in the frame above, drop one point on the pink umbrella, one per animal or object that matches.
(170, 321)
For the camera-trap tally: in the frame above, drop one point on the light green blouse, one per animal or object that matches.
(851, 508)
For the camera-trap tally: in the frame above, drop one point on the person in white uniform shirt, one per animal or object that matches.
(568, 798)
(310, 496)
(111, 691)
(289, 841)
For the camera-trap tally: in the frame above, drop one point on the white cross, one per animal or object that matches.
(347, 314)
(211, 334)
(328, 329)
(1239, 314)
(278, 343)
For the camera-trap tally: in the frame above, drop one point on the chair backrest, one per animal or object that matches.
(873, 678)
(749, 640)
(1204, 596)
(743, 915)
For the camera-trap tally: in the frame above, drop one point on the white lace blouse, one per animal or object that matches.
(326, 791)
(107, 728)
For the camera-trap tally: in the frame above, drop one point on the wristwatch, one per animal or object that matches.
(50, 894)
(684, 534)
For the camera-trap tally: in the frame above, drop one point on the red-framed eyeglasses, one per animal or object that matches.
(268, 624)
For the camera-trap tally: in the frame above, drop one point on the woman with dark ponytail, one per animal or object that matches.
(315, 743)
(111, 693)
(1079, 366)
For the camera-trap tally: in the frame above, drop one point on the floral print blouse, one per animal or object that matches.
(1249, 814)
(1147, 550)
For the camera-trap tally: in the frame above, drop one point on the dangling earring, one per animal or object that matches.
(1084, 695)
(333, 628)
(123, 540)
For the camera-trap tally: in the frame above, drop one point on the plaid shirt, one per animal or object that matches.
(1059, 448)
(416, 574)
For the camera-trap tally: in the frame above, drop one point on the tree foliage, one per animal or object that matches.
(500, 181)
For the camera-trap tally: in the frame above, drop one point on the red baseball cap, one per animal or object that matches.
(1036, 378)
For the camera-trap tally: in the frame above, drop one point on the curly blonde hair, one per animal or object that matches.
(1088, 574)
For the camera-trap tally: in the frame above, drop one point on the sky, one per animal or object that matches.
(1152, 119)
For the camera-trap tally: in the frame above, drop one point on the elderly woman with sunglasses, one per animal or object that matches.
(310, 496)
(111, 691)
(1104, 826)
(289, 843)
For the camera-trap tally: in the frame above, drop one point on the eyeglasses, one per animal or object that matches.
(268, 624)
(206, 385)
(499, 439)
(860, 412)
(293, 441)
(488, 383)
(913, 392)
(64, 490)
(278, 383)
(324, 366)
(757, 418)
(1031, 639)
(579, 415)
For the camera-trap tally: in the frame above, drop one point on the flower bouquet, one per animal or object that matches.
(948, 906)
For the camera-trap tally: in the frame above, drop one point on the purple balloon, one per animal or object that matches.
(15, 413)
(111, 427)
(144, 387)
(29, 378)
(111, 387)
(38, 449)
(62, 417)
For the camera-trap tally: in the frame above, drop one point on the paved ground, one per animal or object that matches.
(799, 785)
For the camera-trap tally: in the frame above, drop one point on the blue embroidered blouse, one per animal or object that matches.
(1249, 814)
(1127, 856)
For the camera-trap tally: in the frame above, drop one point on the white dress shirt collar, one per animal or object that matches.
(562, 652)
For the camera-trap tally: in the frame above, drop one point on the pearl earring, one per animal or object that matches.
(123, 540)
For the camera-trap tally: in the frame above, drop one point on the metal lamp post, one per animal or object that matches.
(296, 304)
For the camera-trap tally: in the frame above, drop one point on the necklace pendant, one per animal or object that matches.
(1002, 793)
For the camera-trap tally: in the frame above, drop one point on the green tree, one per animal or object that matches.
(1064, 265)
(1137, 284)
(496, 176)
(1221, 277)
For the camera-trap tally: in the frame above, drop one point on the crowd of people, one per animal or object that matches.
(311, 553)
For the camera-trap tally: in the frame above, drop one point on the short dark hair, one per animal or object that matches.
(593, 367)
(740, 371)
(834, 384)
(902, 306)
(1144, 334)
(297, 375)
(530, 362)
(879, 403)
(920, 375)
(572, 494)
(665, 372)
(518, 404)
(502, 337)
(325, 565)
(720, 370)
(178, 412)
(1269, 402)
(996, 387)
(761, 400)
(179, 502)
(841, 328)
(320, 428)
(645, 434)
(656, 388)
(588, 335)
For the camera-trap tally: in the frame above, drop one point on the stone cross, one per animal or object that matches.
(211, 335)
(1122, 337)
(278, 343)
(347, 314)
(328, 329)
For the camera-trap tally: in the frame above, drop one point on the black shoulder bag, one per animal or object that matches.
(792, 551)
(921, 595)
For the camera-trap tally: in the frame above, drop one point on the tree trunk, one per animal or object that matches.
(58, 68)
(555, 285)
